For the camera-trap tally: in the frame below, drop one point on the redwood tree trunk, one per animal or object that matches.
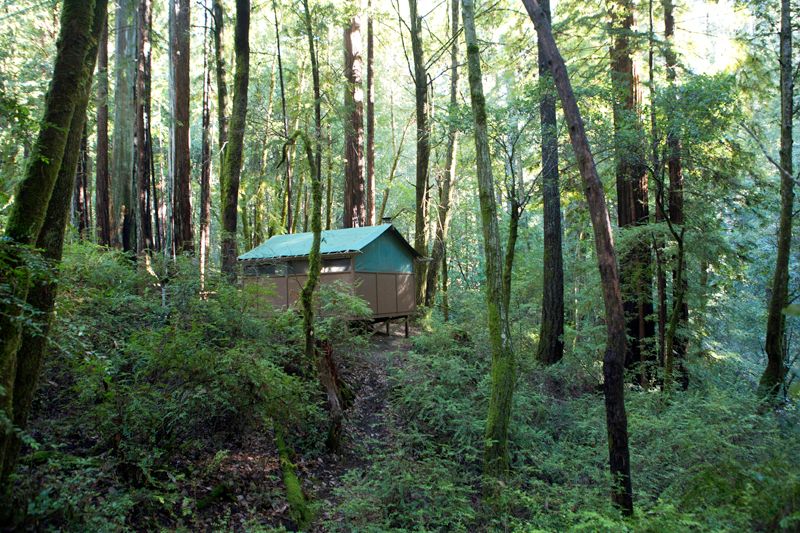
(123, 225)
(370, 120)
(102, 183)
(551, 345)
(179, 147)
(80, 200)
(205, 164)
(423, 151)
(229, 180)
(774, 373)
(144, 227)
(632, 196)
(614, 358)
(354, 193)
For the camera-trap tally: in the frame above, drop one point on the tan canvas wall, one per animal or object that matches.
(367, 288)
(405, 293)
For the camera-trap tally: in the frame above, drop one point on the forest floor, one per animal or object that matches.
(250, 475)
(368, 423)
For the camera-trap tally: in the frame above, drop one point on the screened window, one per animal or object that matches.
(331, 266)
(265, 269)
(298, 267)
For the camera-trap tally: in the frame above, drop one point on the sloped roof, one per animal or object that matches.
(348, 240)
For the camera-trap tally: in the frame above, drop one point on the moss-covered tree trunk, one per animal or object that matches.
(496, 459)
(423, 151)
(439, 247)
(231, 171)
(614, 358)
(551, 344)
(31, 218)
(774, 373)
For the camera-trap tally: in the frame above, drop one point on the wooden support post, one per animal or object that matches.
(387, 326)
(406, 327)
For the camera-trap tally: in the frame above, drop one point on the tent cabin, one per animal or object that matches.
(375, 260)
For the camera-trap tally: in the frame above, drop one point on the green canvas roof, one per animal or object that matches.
(337, 241)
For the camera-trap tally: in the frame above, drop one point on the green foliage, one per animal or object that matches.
(141, 385)
(704, 460)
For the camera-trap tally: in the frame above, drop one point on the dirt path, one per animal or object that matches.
(367, 426)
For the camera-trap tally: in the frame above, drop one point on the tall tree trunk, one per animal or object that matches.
(446, 187)
(286, 206)
(39, 216)
(144, 227)
(496, 457)
(102, 183)
(675, 171)
(354, 194)
(370, 119)
(551, 344)
(329, 184)
(316, 178)
(774, 373)
(222, 84)
(657, 175)
(205, 164)
(180, 175)
(632, 197)
(123, 225)
(614, 358)
(80, 203)
(423, 151)
(229, 179)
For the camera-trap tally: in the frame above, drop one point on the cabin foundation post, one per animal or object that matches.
(387, 326)
(406, 326)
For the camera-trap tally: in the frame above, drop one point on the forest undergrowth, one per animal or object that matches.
(159, 413)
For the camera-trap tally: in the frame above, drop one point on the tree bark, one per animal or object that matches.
(354, 193)
(205, 162)
(222, 84)
(496, 458)
(102, 183)
(423, 151)
(632, 196)
(144, 227)
(80, 199)
(286, 206)
(551, 345)
(775, 372)
(675, 210)
(614, 358)
(39, 216)
(123, 225)
(229, 179)
(317, 168)
(438, 251)
(370, 119)
(180, 29)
